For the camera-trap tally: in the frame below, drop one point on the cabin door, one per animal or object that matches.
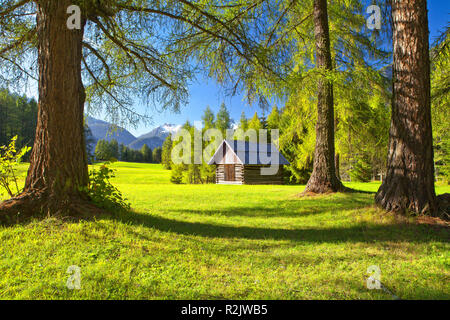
(229, 172)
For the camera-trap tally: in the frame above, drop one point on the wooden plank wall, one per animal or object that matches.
(220, 173)
(252, 175)
(248, 174)
(239, 173)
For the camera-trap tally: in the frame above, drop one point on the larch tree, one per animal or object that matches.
(311, 61)
(119, 49)
(409, 183)
(323, 178)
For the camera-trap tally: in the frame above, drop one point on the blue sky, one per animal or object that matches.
(207, 92)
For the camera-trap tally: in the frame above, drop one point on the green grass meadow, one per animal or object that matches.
(226, 242)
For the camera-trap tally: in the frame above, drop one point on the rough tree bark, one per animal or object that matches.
(323, 178)
(58, 164)
(409, 183)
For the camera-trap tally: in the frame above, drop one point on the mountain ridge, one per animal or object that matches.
(104, 130)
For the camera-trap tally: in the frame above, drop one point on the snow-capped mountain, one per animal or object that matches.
(156, 137)
(163, 131)
(171, 128)
(103, 130)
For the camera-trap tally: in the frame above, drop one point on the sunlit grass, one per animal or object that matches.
(226, 242)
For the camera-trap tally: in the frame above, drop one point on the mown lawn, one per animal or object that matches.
(226, 242)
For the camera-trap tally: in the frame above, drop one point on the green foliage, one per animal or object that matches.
(273, 120)
(361, 171)
(157, 155)
(147, 155)
(105, 150)
(243, 122)
(208, 118)
(223, 121)
(255, 123)
(111, 150)
(166, 153)
(18, 117)
(193, 174)
(176, 175)
(10, 159)
(362, 133)
(102, 192)
(440, 105)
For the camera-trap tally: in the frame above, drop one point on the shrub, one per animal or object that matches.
(10, 158)
(102, 192)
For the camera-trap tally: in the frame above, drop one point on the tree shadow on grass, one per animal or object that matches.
(359, 233)
(284, 208)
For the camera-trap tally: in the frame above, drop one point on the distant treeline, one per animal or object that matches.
(18, 117)
(108, 150)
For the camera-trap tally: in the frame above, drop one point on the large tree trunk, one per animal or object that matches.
(323, 178)
(58, 164)
(409, 184)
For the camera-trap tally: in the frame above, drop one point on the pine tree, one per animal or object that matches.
(166, 153)
(113, 147)
(146, 154)
(157, 152)
(255, 123)
(223, 121)
(208, 118)
(102, 151)
(273, 120)
(243, 122)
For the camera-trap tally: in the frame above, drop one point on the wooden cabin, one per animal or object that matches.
(240, 162)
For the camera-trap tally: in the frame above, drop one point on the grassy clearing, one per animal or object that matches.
(226, 242)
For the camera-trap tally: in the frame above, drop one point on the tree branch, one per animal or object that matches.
(96, 81)
(100, 57)
(136, 54)
(14, 7)
(19, 67)
(188, 21)
(18, 42)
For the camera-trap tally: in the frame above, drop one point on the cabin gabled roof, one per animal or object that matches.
(249, 153)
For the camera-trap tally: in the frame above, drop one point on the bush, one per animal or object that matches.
(10, 158)
(102, 192)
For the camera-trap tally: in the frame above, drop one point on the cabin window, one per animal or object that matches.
(229, 172)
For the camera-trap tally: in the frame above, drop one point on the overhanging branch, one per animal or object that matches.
(10, 9)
